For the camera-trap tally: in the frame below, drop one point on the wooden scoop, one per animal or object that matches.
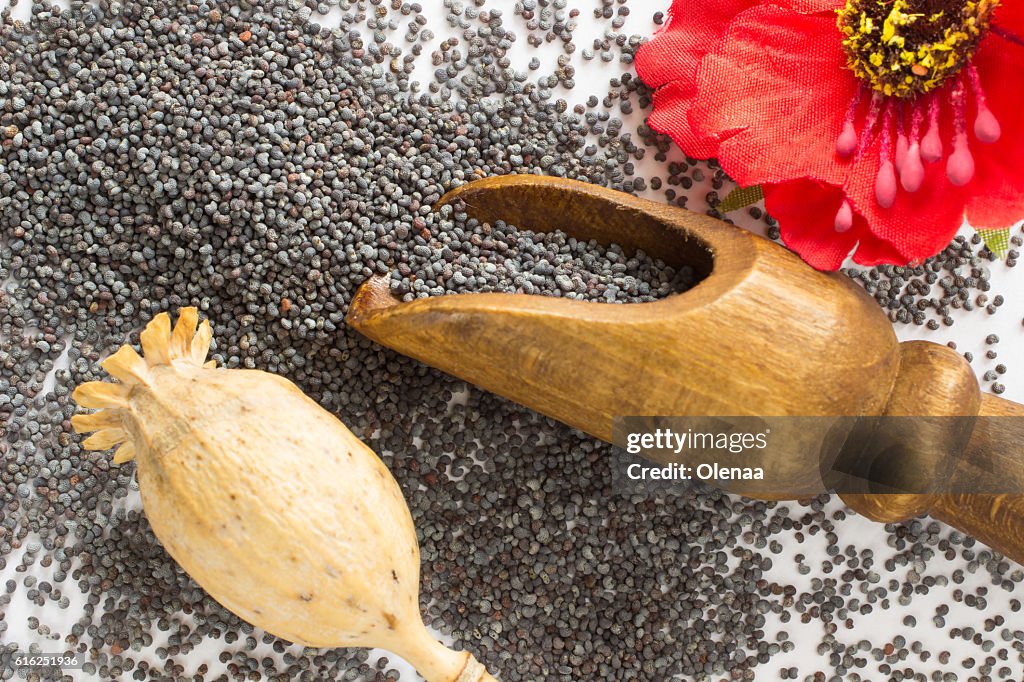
(761, 333)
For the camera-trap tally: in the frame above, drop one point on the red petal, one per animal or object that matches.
(806, 211)
(997, 198)
(671, 116)
(691, 32)
(872, 251)
(775, 95)
(1000, 207)
(1010, 16)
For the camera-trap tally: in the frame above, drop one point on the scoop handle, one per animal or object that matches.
(996, 450)
(936, 381)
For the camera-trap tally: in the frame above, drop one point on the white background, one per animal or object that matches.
(969, 333)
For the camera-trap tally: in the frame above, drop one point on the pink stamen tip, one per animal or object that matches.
(885, 180)
(902, 146)
(885, 185)
(844, 217)
(846, 145)
(986, 127)
(912, 172)
(931, 145)
(960, 166)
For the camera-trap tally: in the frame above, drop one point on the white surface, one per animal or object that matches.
(969, 333)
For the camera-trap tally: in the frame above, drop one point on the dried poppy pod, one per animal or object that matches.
(268, 501)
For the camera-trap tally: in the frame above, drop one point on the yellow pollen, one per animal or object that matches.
(903, 48)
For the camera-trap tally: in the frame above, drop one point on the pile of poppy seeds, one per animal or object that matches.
(242, 158)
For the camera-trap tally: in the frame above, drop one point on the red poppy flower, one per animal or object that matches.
(875, 124)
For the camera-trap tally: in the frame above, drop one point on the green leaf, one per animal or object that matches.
(997, 241)
(741, 197)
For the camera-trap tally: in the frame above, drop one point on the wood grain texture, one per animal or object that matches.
(994, 461)
(933, 380)
(996, 520)
(761, 334)
(749, 339)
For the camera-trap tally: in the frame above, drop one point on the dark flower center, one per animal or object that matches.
(904, 48)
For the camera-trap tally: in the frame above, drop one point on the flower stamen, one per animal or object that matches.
(867, 134)
(931, 145)
(912, 170)
(960, 166)
(905, 48)
(986, 127)
(885, 181)
(902, 142)
(846, 145)
(903, 157)
(844, 217)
